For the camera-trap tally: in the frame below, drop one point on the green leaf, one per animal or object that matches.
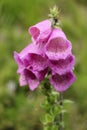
(47, 128)
(46, 119)
(43, 120)
(45, 105)
(55, 110)
(66, 101)
(55, 93)
(63, 111)
(54, 127)
(49, 118)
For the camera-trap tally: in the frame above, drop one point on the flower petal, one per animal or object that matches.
(58, 47)
(17, 59)
(32, 80)
(62, 66)
(62, 82)
(41, 31)
(31, 48)
(20, 58)
(37, 62)
(22, 80)
(19, 62)
(44, 36)
(41, 74)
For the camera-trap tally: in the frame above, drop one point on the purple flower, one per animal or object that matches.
(49, 50)
(62, 66)
(36, 62)
(26, 55)
(32, 67)
(31, 78)
(62, 82)
(58, 47)
(28, 77)
(41, 31)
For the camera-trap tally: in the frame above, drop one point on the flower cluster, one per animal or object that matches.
(49, 52)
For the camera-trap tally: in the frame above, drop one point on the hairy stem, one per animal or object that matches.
(61, 114)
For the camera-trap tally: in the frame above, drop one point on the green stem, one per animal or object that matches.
(61, 114)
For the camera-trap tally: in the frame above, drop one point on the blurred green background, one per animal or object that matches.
(20, 108)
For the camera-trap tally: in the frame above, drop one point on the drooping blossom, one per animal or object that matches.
(32, 67)
(58, 47)
(50, 50)
(62, 66)
(62, 82)
(31, 78)
(28, 77)
(41, 31)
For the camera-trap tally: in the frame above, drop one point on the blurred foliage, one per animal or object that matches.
(20, 108)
